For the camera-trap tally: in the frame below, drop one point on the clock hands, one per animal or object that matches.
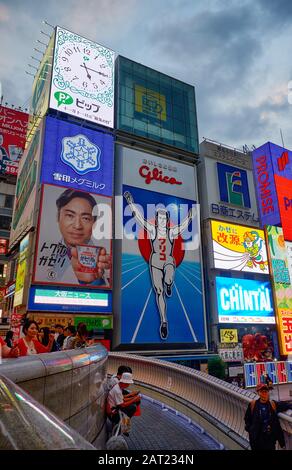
(88, 75)
(96, 71)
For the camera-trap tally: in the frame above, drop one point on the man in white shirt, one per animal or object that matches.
(127, 403)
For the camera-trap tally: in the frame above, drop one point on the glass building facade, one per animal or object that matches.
(155, 106)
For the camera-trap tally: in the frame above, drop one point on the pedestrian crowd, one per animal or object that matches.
(35, 340)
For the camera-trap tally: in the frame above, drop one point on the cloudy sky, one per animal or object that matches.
(237, 53)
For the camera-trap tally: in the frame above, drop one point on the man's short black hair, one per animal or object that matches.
(123, 369)
(70, 194)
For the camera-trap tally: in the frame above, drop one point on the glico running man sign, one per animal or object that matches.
(162, 294)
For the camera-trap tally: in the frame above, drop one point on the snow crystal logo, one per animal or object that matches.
(81, 154)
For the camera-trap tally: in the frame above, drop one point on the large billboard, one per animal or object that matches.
(155, 106)
(74, 248)
(162, 300)
(226, 185)
(239, 248)
(269, 161)
(83, 78)
(77, 157)
(25, 196)
(282, 286)
(13, 127)
(244, 301)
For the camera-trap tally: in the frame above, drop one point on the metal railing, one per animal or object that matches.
(27, 425)
(68, 383)
(221, 404)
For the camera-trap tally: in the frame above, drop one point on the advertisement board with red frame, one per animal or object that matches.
(13, 127)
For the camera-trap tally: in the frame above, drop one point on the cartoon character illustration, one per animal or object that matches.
(161, 263)
(253, 245)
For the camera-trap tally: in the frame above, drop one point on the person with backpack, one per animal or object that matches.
(262, 422)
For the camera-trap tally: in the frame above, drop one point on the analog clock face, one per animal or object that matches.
(84, 67)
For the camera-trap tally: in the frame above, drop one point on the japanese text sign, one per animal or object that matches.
(239, 248)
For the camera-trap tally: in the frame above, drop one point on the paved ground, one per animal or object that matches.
(160, 429)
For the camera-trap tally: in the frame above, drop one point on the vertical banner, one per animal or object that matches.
(260, 370)
(250, 375)
(25, 196)
(281, 286)
(162, 294)
(289, 371)
(272, 371)
(13, 127)
(282, 374)
(22, 272)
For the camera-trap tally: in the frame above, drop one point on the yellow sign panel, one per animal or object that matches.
(239, 248)
(150, 103)
(228, 336)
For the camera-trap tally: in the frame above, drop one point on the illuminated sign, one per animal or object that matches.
(228, 336)
(54, 299)
(3, 246)
(282, 286)
(83, 78)
(233, 185)
(239, 248)
(231, 354)
(284, 192)
(244, 301)
(83, 158)
(13, 126)
(95, 322)
(21, 271)
(270, 161)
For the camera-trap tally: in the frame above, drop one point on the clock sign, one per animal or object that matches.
(83, 78)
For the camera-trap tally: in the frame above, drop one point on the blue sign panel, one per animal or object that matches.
(233, 185)
(272, 371)
(77, 157)
(244, 301)
(54, 299)
(162, 294)
(250, 375)
(289, 371)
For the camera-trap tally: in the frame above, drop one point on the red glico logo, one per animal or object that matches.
(283, 161)
(156, 175)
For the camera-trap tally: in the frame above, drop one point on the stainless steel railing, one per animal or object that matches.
(220, 403)
(27, 425)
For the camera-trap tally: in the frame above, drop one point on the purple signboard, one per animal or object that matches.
(265, 185)
(77, 157)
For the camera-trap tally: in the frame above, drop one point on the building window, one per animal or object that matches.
(6, 200)
(5, 222)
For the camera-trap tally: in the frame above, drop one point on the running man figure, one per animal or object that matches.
(161, 262)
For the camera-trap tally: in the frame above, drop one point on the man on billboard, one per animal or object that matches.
(161, 263)
(75, 259)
